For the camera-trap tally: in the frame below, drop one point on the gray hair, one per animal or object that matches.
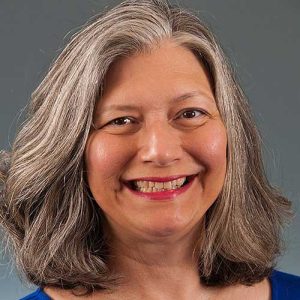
(52, 222)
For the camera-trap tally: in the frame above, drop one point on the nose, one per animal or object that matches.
(160, 144)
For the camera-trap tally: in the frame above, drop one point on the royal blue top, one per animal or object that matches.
(284, 287)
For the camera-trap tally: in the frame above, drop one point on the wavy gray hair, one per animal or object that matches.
(53, 224)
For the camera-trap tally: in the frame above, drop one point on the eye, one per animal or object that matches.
(191, 118)
(191, 114)
(121, 121)
(121, 126)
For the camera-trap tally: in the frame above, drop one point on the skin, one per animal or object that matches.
(152, 241)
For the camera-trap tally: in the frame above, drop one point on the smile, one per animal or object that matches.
(154, 186)
(160, 189)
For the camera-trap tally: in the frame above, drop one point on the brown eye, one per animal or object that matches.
(193, 113)
(121, 121)
(122, 125)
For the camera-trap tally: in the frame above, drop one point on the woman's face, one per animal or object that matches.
(157, 121)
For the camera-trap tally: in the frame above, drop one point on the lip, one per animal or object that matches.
(160, 179)
(164, 195)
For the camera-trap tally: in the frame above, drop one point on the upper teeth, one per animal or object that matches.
(149, 186)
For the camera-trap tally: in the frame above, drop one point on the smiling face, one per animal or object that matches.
(157, 118)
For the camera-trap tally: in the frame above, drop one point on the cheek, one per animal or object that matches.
(105, 157)
(209, 148)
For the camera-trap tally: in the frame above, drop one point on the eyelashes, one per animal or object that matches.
(186, 120)
(121, 121)
(188, 114)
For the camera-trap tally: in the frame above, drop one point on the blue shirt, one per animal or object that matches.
(284, 287)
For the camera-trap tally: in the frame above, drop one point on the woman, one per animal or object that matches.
(138, 172)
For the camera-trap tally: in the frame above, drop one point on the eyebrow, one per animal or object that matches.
(185, 96)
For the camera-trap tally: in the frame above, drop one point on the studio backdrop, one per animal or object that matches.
(262, 39)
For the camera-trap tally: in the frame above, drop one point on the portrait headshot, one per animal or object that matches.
(150, 150)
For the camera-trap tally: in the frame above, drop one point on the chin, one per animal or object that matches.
(166, 231)
(168, 228)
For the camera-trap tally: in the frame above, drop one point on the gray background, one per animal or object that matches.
(262, 39)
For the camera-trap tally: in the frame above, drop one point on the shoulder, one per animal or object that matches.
(37, 295)
(51, 293)
(285, 286)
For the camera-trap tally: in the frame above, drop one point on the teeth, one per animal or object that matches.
(167, 185)
(159, 185)
(180, 181)
(151, 186)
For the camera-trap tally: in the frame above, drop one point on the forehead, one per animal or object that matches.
(168, 59)
(167, 71)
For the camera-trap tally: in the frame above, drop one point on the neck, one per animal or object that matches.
(160, 268)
